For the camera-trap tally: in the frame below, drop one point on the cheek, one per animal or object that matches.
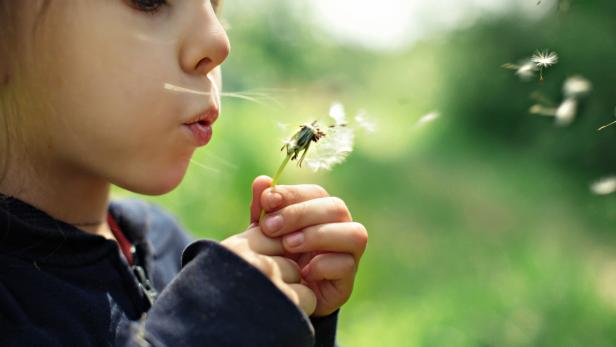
(111, 116)
(132, 140)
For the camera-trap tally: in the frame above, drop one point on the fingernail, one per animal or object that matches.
(273, 223)
(274, 200)
(295, 239)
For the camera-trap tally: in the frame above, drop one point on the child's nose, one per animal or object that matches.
(206, 44)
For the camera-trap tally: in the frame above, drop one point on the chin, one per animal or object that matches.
(155, 182)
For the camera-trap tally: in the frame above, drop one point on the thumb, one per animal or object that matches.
(260, 184)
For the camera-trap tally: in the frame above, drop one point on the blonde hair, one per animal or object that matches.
(11, 48)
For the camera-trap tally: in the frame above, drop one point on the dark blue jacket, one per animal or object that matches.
(60, 286)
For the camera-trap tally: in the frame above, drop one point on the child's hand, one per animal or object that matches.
(319, 233)
(266, 254)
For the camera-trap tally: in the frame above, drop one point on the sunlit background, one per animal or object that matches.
(484, 229)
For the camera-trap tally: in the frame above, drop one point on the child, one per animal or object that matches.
(83, 106)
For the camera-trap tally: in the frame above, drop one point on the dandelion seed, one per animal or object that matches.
(544, 60)
(249, 96)
(368, 125)
(510, 66)
(336, 111)
(609, 124)
(203, 166)
(430, 117)
(542, 110)
(604, 186)
(576, 86)
(526, 70)
(565, 113)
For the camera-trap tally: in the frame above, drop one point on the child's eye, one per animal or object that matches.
(150, 6)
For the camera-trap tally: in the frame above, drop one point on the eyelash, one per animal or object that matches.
(149, 6)
(153, 6)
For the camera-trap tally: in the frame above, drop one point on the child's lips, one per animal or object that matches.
(200, 126)
(208, 116)
(201, 132)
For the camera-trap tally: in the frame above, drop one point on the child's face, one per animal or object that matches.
(96, 74)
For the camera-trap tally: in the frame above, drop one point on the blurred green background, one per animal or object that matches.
(483, 229)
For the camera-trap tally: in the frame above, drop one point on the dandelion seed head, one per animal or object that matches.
(332, 149)
(604, 186)
(544, 58)
(290, 142)
(576, 86)
(565, 113)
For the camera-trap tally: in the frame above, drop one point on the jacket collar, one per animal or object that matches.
(30, 233)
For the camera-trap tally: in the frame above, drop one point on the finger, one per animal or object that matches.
(331, 276)
(270, 267)
(260, 184)
(287, 269)
(302, 296)
(279, 196)
(350, 237)
(336, 267)
(261, 244)
(304, 214)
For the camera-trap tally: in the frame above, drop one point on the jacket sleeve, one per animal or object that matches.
(219, 299)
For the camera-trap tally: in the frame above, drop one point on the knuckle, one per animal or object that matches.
(295, 214)
(288, 266)
(318, 190)
(291, 265)
(339, 208)
(273, 198)
(288, 193)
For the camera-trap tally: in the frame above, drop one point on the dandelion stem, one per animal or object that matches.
(276, 179)
(280, 170)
